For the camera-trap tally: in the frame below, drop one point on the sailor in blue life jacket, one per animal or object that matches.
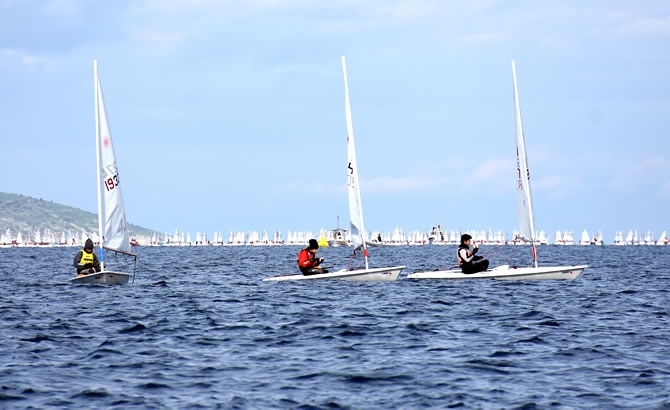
(86, 261)
(468, 261)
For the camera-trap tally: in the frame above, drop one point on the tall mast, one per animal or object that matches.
(357, 211)
(524, 197)
(98, 160)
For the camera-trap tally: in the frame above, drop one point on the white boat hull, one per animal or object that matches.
(371, 243)
(102, 278)
(505, 272)
(337, 243)
(359, 275)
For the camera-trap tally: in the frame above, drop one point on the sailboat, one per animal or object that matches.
(377, 241)
(585, 239)
(357, 229)
(112, 227)
(337, 237)
(526, 226)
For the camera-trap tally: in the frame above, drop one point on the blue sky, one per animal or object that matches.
(230, 114)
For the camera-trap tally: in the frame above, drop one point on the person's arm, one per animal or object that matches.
(465, 255)
(77, 260)
(304, 260)
(96, 262)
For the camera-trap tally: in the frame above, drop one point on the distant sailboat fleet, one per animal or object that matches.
(397, 237)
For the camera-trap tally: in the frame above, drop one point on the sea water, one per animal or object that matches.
(198, 328)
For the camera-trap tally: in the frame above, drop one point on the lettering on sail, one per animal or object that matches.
(518, 171)
(110, 177)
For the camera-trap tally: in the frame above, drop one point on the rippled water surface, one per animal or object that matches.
(199, 328)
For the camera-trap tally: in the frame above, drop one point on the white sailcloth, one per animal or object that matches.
(111, 214)
(355, 209)
(526, 227)
(524, 200)
(357, 237)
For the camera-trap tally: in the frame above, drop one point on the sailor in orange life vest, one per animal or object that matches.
(307, 260)
(467, 260)
(86, 261)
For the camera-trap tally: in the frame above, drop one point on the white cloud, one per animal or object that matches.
(621, 184)
(349, 12)
(481, 5)
(557, 187)
(61, 8)
(549, 183)
(301, 186)
(664, 190)
(297, 69)
(160, 41)
(652, 163)
(9, 3)
(627, 180)
(163, 114)
(483, 37)
(406, 11)
(649, 26)
(493, 170)
(22, 57)
(386, 184)
(403, 184)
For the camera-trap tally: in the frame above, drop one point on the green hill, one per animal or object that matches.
(26, 215)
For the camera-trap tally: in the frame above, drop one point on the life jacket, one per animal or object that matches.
(460, 260)
(305, 259)
(86, 258)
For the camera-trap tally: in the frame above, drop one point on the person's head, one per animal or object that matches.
(465, 239)
(313, 245)
(88, 245)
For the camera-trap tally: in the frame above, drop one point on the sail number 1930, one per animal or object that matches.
(112, 182)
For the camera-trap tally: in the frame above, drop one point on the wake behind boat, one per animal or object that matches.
(112, 227)
(366, 274)
(526, 225)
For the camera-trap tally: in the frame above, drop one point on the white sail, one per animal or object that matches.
(585, 239)
(524, 200)
(559, 238)
(526, 227)
(4, 239)
(355, 217)
(355, 209)
(112, 228)
(111, 214)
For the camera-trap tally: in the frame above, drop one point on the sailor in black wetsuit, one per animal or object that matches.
(468, 261)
